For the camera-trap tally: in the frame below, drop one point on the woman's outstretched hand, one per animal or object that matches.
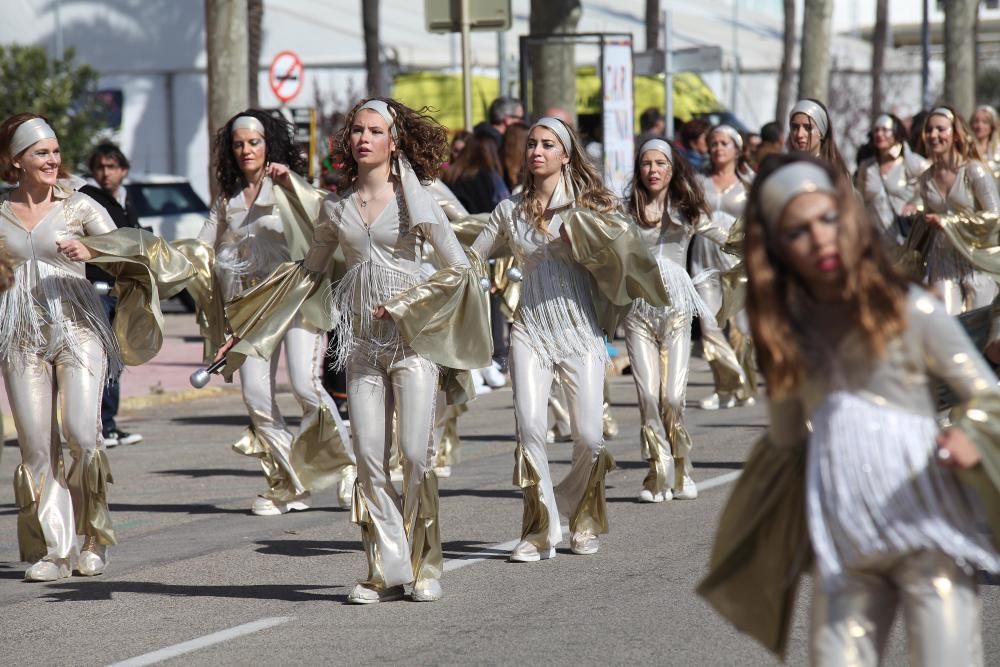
(224, 350)
(75, 250)
(956, 450)
(279, 173)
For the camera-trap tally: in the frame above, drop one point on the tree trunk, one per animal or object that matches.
(373, 60)
(814, 75)
(879, 39)
(652, 24)
(226, 46)
(553, 66)
(959, 55)
(784, 102)
(255, 34)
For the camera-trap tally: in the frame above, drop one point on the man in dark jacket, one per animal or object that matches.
(109, 167)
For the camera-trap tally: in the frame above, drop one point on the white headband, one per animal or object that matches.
(382, 109)
(988, 109)
(28, 133)
(814, 111)
(732, 132)
(657, 145)
(249, 123)
(788, 182)
(560, 130)
(943, 111)
(886, 121)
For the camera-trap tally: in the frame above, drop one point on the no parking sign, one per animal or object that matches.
(286, 76)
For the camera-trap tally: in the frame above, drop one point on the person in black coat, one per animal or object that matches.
(109, 167)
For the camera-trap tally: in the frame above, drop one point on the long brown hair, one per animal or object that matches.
(874, 291)
(478, 155)
(515, 139)
(422, 139)
(8, 172)
(684, 191)
(828, 150)
(587, 184)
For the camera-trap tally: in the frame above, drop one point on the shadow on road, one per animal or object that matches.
(508, 437)
(226, 420)
(461, 550)
(70, 591)
(480, 493)
(197, 473)
(306, 548)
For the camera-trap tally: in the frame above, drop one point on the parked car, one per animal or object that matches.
(168, 205)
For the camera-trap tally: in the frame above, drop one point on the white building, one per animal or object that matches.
(154, 52)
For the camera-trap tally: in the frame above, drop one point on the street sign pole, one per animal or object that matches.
(668, 76)
(466, 67)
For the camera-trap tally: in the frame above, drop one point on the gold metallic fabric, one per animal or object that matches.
(88, 481)
(656, 451)
(977, 237)
(535, 518)
(979, 419)
(446, 430)
(260, 316)
(207, 294)
(319, 456)
(591, 514)
(30, 538)
(611, 249)
(362, 518)
(146, 269)
(762, 546)
(743, 346)
(446, 319)
(280, 486)
(425, 532)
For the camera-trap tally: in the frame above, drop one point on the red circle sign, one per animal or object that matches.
(286, 76)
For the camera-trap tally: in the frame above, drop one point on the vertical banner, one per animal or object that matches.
(617, 113)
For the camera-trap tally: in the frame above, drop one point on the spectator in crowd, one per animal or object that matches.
(475, 177)
(561, 114)
(515, 139)
(109, 168)
(693, 143)
(917, 133)
(503, 112)
(772, 141)
(457, 145)
(652, 125)
(750, 147)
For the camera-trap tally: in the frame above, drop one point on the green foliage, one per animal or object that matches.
(988, 86)
(58, 89)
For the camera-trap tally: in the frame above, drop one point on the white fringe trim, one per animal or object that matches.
(875, 489)
(41, 315)
(353, 301)
(684, 298)
(557, 312)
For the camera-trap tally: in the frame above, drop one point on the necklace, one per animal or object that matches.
(364, 202)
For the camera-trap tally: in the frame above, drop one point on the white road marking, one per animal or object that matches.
(503, 548)
(202, 642)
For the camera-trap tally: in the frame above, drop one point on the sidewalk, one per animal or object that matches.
(165, 379)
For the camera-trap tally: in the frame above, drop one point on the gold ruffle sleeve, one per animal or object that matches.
(30, 537)
(146, 269)
(977, 237)
(610, 248)
(762, 546)
(979, 419)
(446, 319)
(317, 463)
(260, 316)
(205, 290)
(88, 481)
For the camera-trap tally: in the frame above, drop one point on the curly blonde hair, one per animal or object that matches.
(875, 292)
(422, 139)
(587, 184)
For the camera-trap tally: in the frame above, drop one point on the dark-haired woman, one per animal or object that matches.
(811, 132)
(393, 331)
(725, 188)
(888, 181)
(549, 227)
(253, 227)
(669, 206)
(958, 188)
(855, 475)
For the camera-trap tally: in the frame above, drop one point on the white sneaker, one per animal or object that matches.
(526, 552)
(442, 471)
(479, 382)
(110, 441)
(688, 491)
(747, 402)
(584, 544)
(93, 559)
(48, 570)
(647, 496)
(427, 590)
(266, 507)
(362, 594)
(493, 376)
